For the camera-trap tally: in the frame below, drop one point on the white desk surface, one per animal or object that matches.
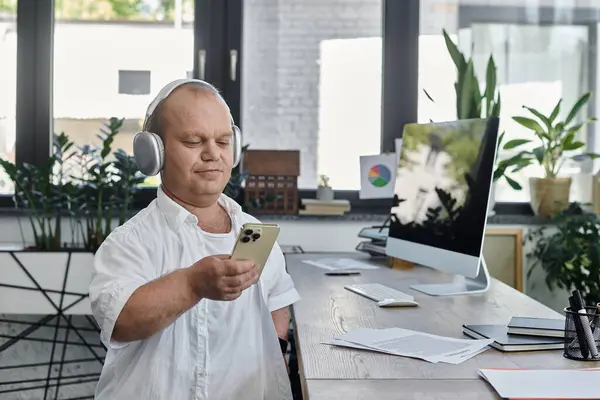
(327, 310)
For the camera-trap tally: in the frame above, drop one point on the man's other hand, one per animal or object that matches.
(222, 278)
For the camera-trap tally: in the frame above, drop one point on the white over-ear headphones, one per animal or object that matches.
(148, 147)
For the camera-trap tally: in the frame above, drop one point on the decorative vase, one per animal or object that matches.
(549, 195)
(492, 201)
(325, 193)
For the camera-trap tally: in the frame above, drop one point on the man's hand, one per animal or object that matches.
(158, 303)
(221, 277)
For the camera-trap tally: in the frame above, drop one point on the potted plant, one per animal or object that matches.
(475, 102)
(85, 191)
(556, 142)
(324, 191)
(569, 255)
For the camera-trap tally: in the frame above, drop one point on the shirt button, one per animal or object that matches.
(203, 374)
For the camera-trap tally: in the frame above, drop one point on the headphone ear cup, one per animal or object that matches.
(149, 152)
(237, 146)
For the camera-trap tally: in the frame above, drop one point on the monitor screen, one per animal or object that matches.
(443, 184)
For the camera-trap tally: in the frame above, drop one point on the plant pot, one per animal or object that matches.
(23, 273)
(549, 195)
(325, 193)
(492, 200)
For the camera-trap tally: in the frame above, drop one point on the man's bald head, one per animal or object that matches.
(156, 122)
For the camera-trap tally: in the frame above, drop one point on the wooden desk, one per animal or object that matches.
(327, 310)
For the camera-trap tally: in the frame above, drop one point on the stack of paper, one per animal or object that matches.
(544, 384)
(337, 264)
(407, 343)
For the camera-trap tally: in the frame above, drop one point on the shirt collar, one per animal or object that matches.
(176, 215)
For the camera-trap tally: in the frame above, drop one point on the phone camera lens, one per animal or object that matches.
(256, 236)
(245, 239)
(248, 232)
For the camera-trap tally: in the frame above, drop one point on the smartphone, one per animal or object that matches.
(255, 242)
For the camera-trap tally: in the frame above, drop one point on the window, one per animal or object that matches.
(8, 91)
(134, 82)
(542, 54)
(149, 45)
(311, 80)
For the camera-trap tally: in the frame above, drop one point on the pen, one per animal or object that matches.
(585, 323)
(578, 329)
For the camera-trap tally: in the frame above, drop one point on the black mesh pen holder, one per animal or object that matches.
(576, 332)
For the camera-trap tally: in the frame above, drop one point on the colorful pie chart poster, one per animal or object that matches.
(378, 176)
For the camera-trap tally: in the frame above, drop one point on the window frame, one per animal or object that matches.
(517, 15)
(218, 30)
(122, 83)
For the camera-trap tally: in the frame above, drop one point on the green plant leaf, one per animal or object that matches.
(585, 157)
(466, 93)
(513, 184)
(499, 142)
(476, 98)
(575, 128)
(541, 116)
(455, 54)
(529, 123)
(428, 96)
(555, 112)
(490, 85)
(578, 105)
(496, 106)
(572, 146)
(538, 152)
(498, 173)
(515, 143)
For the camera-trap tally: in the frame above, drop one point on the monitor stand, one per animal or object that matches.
(461, 285)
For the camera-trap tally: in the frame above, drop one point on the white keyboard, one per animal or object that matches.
(379, 292)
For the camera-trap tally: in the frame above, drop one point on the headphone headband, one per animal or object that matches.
(169, 88)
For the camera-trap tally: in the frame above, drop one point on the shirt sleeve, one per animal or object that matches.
(121, 265)
(276, 282)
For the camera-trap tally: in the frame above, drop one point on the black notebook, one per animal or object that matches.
(509, 343)
(546, 327)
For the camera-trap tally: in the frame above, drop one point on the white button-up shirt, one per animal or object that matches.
(217, 349)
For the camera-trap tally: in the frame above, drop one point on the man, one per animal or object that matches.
(179, 317)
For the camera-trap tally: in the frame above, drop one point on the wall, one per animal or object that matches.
(321, 236)
(283, 76)
(341, 235)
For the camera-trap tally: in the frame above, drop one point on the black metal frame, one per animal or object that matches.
(60, 380)
(35, 47)
(217, 30)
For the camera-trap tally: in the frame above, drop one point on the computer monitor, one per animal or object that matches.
(442, 191)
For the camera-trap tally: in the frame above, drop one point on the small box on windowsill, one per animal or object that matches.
(272, 180)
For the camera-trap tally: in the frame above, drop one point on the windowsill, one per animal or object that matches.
(497, 219)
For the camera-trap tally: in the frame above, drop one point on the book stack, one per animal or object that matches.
(522, 334)
(322, 207)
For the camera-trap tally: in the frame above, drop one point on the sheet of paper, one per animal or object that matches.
(378, 176)
(343, 343)
(408, 343)
(337, 264)
(544, 384)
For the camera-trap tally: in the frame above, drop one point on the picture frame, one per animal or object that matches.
(503, 253)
